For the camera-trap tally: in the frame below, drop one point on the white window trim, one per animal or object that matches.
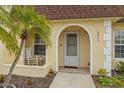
(39, 44)
(116, 30)
(46, 54)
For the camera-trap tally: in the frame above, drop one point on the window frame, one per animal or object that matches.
(118, 44)
(39, 44)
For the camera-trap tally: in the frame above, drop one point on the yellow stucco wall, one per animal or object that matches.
(5, 56)
(1, 56)
(83, 42)
(29, 42)
(8, 57)
(92, 26)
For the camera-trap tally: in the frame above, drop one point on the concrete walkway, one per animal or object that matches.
(72, 80)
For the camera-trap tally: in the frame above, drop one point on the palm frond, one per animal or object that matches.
(20, 19)
(9, 41)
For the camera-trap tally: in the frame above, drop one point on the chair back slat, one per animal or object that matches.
(28, 53)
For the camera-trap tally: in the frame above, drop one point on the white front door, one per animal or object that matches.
(71, 49)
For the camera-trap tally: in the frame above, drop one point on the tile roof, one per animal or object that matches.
(58, 12)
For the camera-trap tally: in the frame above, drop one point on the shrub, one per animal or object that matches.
(104, 81)
(102, 71)
(111, 81)
(121, 78)
(29, 82)
(120, 66)
(116, 82)
(51, 72)
(2, 79)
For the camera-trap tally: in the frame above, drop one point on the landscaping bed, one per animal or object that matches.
(115, 81)
(31, 82)
(108, 82)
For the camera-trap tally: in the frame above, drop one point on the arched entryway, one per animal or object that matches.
(74, 49)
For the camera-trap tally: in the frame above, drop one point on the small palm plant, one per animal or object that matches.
(16, 24)
(120, 66)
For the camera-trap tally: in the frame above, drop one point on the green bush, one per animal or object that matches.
(102, 71)
(120, 66)
(116, 82)
(104, 81)
(121, 78)
(112, 81)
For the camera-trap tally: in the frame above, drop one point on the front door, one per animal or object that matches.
(71, 49)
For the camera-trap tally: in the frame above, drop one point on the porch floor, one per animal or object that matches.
(82, 70)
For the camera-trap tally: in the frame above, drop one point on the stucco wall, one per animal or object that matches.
(8, 57)
(29, 42)
(91, 26)
(2, 50)
(94, 27)
(97, 48)
(33, 71)
(1, 56)
(83, 42)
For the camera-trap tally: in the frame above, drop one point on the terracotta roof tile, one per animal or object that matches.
(56, 12)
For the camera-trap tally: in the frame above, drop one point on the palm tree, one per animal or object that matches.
(16, 24)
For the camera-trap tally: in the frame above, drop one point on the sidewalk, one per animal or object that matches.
(72, 80)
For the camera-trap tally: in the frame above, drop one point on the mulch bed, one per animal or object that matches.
(37, 82)
(97, 84)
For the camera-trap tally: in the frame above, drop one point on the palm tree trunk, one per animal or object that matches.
(13, 65)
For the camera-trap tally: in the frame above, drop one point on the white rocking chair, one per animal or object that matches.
(30, 59)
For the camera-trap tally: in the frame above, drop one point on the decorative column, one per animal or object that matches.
(108, 45)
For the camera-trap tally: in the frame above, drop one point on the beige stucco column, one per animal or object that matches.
(108, 45)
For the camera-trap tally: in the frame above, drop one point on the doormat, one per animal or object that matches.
(69, 67)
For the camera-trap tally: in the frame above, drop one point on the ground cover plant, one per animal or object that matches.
(115, 81)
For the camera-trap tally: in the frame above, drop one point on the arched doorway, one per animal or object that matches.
(74, 49)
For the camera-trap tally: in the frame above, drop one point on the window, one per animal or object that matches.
(39, 46)
(119, 44)
(71, 44)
